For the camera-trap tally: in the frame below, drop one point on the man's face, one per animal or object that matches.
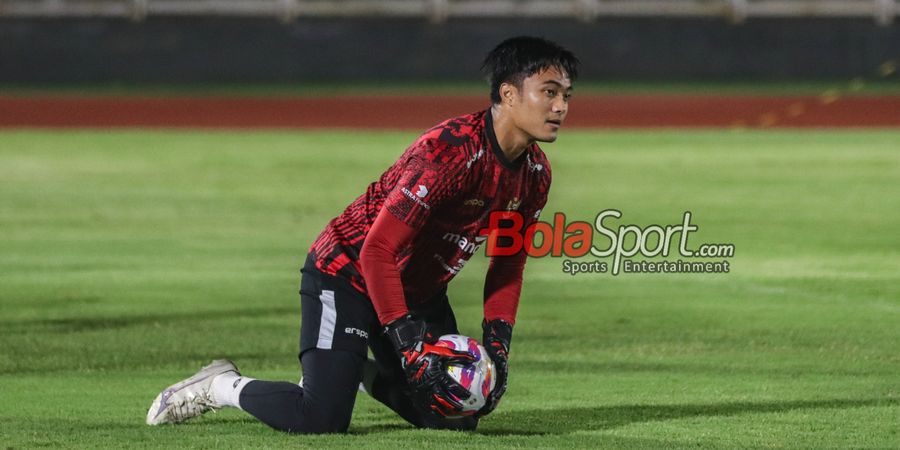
(541, 105)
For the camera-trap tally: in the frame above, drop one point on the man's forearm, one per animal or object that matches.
(379, 267)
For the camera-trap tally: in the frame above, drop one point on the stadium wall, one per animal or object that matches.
(263, 50)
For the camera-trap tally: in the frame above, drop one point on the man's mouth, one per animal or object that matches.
(556, 123)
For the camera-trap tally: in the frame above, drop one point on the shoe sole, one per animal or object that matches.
(161, 402)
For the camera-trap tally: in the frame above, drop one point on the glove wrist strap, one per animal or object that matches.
(497, 330)
(405, 332)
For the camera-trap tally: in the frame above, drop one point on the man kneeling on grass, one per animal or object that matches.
(376, 277)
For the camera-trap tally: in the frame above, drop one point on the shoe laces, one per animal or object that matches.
(193, 405)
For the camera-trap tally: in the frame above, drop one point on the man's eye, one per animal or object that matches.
(550, 92)
(567, 97)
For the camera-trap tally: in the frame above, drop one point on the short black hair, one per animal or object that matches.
(521, 57)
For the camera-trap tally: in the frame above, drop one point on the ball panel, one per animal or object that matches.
(476, 377)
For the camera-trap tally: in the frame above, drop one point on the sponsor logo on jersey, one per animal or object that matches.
(473, 202)
(422, 192)
(469, 245)
(415, 197)
(455, 269)
(357, 331)
(474, 158)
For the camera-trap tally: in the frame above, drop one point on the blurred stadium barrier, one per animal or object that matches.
(881, 11)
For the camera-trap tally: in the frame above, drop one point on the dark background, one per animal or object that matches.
(166, 49)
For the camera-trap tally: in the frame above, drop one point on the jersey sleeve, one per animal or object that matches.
(502, 287)
(432, 174)
(378, 261)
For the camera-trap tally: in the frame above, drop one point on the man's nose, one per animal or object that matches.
(560, 105)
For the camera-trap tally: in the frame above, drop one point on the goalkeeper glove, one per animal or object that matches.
(425, 366)
(497, 334)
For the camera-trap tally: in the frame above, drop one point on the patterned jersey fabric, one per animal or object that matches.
(445, 185)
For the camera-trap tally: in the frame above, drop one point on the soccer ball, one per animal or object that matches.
(476, 377)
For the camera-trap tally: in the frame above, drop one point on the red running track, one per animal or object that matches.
(419, 112)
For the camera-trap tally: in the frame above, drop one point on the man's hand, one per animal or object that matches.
(425, 365)
(497, 335)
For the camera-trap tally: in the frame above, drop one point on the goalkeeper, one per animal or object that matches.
(375, 278)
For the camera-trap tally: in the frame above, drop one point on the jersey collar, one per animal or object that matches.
(495, 146)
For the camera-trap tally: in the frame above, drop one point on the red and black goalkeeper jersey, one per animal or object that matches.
(444, 185)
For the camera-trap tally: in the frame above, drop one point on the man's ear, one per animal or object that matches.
(509, 94)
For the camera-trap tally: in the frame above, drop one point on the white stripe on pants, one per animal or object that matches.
(329, 317)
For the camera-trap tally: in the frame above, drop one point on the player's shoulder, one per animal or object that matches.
(457, 131)
(538, 167)
(538, 162)
(452, 142)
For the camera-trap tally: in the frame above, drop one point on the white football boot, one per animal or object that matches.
(189, 398)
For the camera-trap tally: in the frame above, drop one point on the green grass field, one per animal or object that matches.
(130, 258)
